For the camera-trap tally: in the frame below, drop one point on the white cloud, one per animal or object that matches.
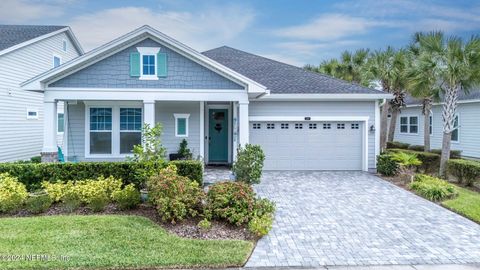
(22, 11)
(202, 29)
(328, 27)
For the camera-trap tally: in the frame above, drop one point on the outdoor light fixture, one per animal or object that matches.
(372, 128)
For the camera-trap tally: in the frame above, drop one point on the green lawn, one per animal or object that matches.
(467, 203)
(110, 241)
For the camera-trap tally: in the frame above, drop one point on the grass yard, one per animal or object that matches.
(467, 203)
(110, 241)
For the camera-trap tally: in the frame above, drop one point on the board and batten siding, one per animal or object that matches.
(318, 108)
(22, 138)
(164, 114)
(469, 129)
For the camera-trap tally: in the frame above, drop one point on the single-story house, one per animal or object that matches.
(465, 137)
(27, 51)
(216, 100)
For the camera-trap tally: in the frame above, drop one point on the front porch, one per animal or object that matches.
(107, 130)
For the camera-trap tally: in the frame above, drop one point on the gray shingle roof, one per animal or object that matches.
(472, 94)
(281, 78)
(11, 35)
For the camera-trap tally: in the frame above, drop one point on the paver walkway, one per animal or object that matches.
(355, 218)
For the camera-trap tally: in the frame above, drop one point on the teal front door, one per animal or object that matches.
(218, 135)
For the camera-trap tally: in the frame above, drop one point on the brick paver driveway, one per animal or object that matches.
(355, 218)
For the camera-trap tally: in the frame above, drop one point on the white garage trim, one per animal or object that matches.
(363, 119)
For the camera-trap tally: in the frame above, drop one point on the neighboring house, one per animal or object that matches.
(465, 137)
(26, 51)
(216, 101)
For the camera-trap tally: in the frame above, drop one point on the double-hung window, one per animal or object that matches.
(100, 130)
(130, 129)
(409, 124)
(148, 64)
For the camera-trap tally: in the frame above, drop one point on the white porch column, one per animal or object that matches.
(49, 150)
(202, 130)
(149, 112)
(235, 130)
(243, 123)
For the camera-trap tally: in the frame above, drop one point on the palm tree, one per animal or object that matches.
(399, 64)
(422, 83)
(455, 67)
(349, 68)
(379, 68)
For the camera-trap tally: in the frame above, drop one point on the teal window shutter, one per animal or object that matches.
(162, 65)
(135, 64)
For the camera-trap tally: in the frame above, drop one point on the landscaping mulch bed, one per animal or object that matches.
(187, 228)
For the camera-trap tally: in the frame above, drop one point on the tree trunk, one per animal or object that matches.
(383, 126)
(393, 123)
(448, 115)
(426, 110)
(426, 131)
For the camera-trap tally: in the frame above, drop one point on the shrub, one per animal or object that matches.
(397, 145)
(175, 197)
(430, 161)
(467, 171)
(455, 154)
(263, 207)
(204, 225)
(32, 175)
(12, 193)
(184, 151)
(36, 204)
(232, 201)
(98, 202)
(419, 148)
(249, 164)
(127, 198)
(193, 169)
(71, 201)
(386, 166)
(433, 188)
(260, 225)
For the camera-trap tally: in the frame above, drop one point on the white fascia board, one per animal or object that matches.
(441, 103)
(37, 83)
(332, 97)
(146, 94)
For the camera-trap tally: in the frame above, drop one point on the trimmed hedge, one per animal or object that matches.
(430, 161)
(416, 147)
(192, 169)
(453, 153)
(397, 145)
(33, 174)
(467, 171)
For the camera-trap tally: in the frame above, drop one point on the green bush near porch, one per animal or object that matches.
(33, 174)
(430, 161)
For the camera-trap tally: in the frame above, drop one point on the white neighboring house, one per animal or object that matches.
(26, 51)
(466, 136)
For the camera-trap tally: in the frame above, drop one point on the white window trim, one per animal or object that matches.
(53, 59)
(115, 126)
(32, 117)
(185, 116)
(458, 128)
(58, 132)
(408, 125)
(148, 51)
(64, 41)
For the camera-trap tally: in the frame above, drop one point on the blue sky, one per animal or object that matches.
(297, 32)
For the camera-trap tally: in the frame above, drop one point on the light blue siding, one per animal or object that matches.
(114, 72)
(469, 131)
(164, 114)
(331, 108)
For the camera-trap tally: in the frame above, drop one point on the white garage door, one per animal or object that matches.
(309, 145)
